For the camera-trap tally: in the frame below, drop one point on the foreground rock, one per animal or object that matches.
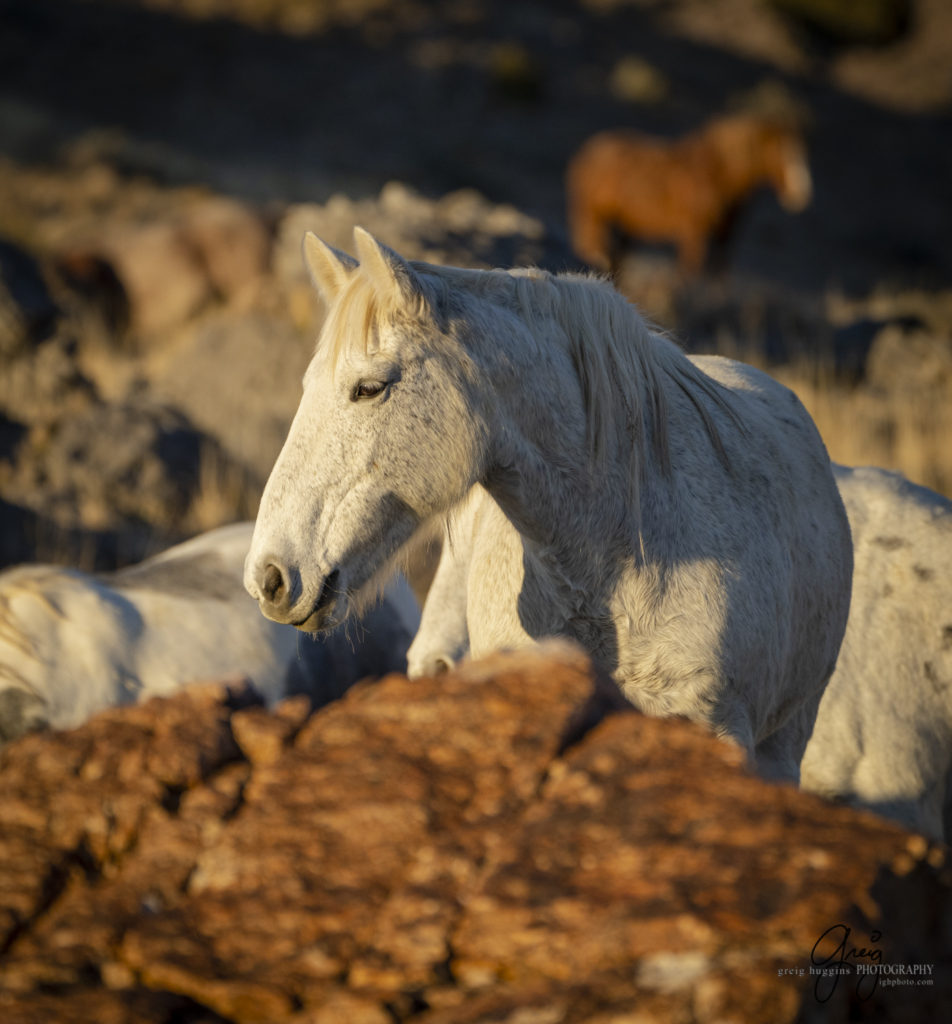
(505, 843)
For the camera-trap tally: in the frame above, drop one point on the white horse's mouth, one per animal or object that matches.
(316, 623)
(323, 615)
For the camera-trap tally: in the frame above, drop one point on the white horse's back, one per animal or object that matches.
(883, 737)
(72, 643)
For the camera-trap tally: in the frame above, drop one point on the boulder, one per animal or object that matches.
(44, 382)
(161, 273)
(139, 461)
(257, 361)
(151, 273)
(508, 842)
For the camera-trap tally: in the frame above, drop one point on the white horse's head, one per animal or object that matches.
(384, 439)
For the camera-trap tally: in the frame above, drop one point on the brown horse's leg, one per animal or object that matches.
(588, 230)
(692, 252)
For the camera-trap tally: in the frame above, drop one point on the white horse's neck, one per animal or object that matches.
(571, 445)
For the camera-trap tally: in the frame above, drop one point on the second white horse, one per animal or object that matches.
(72, 643)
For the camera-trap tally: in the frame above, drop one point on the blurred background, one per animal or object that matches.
(161, 159)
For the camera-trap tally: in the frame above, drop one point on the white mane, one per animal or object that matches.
(620, 360)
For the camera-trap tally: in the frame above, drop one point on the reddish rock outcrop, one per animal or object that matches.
(505, 843)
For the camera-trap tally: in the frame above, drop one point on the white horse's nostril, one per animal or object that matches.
(273, 586)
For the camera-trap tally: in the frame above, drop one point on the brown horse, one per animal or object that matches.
(685, 191)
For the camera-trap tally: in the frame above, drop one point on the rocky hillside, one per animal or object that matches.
(503, 844)
(152, 346)
(154, 320)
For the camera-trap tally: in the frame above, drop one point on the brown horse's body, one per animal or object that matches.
(683, 191)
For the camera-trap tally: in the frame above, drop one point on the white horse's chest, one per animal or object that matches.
(656, 645)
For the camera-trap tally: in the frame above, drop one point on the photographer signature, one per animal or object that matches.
(843, 960)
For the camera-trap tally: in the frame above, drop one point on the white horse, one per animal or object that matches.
(883, 736)
(72, 643)
(678, 518)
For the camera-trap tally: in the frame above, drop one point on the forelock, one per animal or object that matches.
(352, 325)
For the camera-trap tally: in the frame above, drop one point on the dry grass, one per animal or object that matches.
(225, 494)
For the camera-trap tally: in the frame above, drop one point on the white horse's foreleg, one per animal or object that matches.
(778, 756)
(443, 636)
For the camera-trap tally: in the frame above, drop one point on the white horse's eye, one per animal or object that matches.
(367, 389)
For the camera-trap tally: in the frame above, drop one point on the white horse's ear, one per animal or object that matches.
(328, 268)
(387, 270)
